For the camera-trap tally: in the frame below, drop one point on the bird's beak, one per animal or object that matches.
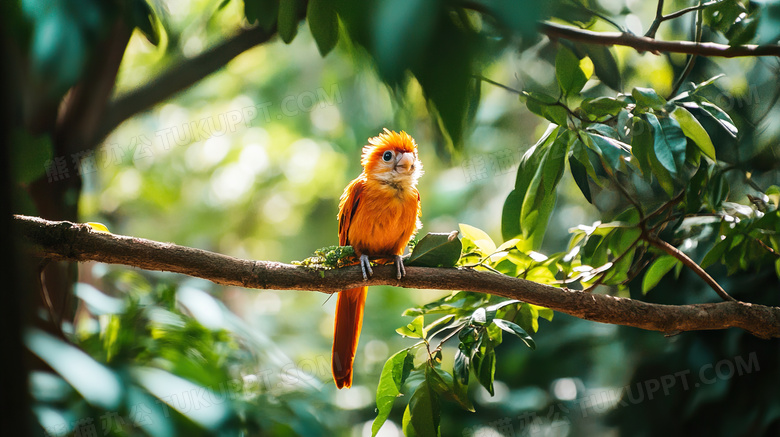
(405, 163)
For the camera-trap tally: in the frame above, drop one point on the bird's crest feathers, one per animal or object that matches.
(387, 140)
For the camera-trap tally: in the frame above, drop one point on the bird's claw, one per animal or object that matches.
(365, 266)
(399, 265)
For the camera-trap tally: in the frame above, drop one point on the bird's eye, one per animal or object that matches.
(387, 156)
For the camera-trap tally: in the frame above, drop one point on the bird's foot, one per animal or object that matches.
(399, 266)
(365, 266)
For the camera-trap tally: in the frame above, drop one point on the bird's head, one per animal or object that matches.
(391, 157)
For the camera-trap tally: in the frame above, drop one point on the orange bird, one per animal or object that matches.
(378, 214)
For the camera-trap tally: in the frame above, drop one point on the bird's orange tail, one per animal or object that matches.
(349, 319)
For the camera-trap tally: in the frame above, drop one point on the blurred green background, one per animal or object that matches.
(251, 161)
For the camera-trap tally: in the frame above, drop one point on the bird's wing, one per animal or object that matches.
(350, 202)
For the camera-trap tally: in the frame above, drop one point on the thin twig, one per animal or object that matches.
(691, 264)
(769, 249)
(449, 336)
(684, 11)
(659, 17)
(691, 58)
(45, 293)
(642, 43)
(500, 85)
(602, 16)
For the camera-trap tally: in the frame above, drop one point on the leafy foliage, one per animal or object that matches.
(161, 358)
(478, 328)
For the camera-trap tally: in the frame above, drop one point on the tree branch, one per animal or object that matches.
(78, 242)
(660, 18)
(180, 77)
(643, 43)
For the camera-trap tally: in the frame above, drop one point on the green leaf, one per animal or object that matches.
(539, 199)
(396, 50)
(744, 29)
(583, 155)
(668, 142)
(98, 302)
(459, 302)
(515, 329)
(601, 106)
(413, 329)
(604, 65)
(161, 384)
(720, 116)
(436, 250)
(556, 114)
(470, 339)
(439, 380)
(145, 20)
(614, 151)
(663, 176)
(99, 385)
(718, 190)
(479, 237)
(555, 162)
(460, 368)
(483, 316)
(460, 391)
(517, 16)
(526, 172)
(289, 11)
(722, 15)
(324, 24)
(264, 12)
(570, 76)
(716, 253)
(394, 373)
(444, 67)
(580, 175)
(529, 317)
(438, 325)
(602, 129)
(508, 245)
(773, 192)
(694, 130)
(693, 196)
(545, 313)
(510, 214)
(657, 270)
(647, 97)
(546, 106)
(538, 97)
(422, 415)
(642, 146)
(487, 370)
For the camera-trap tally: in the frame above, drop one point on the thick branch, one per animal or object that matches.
(82, 109)
(180, 77)
(642, 43)
(78, 242)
